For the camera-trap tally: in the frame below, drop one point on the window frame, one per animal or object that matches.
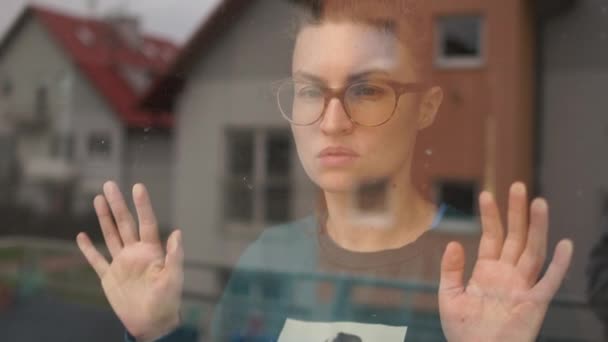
(458, 225)
(97, 155)
(260, 180)
(445, 62)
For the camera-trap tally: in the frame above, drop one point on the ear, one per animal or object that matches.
(429, 106)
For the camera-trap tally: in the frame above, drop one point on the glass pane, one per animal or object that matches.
(99, 144)
(278, 203)
(323, 167)
(240, 148)
(238, 202)
(460, 195)
(461, 36)
(278, 154)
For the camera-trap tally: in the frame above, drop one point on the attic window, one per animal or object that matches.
(150, 50)
(138, 78)
(167, 54)
(86, 36)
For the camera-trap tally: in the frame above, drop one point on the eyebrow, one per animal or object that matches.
(350, 79)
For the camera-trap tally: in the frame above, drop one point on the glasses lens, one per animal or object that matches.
(370, 103)
(301, 102)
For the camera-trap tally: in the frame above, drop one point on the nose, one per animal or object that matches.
(335, 121)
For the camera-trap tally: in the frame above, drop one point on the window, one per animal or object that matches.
(42, 103)
(459, 41)
(150, 50)
(6, 88)
(460, 195)
(460, 198)
(99, 145)
(257, 187)
(62, 146)
(7, 154)
(139, 78)
(85, 36)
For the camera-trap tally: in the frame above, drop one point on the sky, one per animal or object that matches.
(173, 19)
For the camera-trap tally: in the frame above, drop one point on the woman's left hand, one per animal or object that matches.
(504, 300)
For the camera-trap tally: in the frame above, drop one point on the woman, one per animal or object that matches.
(358, 95)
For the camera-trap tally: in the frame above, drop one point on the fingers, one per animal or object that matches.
(517, 224)
(148, 227)
(531, 261)
(551, 281)
(175, 253)
(124, 220)
(95, 259)
(452, 270)
(491, 242)
(108, 228)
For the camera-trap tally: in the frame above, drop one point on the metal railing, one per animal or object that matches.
(30, 273)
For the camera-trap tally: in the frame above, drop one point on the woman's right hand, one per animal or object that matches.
(143, 282)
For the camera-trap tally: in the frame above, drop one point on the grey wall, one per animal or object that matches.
(574, 164)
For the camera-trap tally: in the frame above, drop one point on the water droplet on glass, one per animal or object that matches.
(429, 152)
(147, 129)
(103, 142)
(579, 193)
(247, 183)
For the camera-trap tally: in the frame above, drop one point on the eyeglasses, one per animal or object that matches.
(366, 103)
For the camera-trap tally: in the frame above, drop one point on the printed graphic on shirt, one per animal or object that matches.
(295, 330)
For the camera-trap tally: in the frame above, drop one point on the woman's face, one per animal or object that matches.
(336, 153)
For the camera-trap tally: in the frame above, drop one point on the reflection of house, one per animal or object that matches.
(68, 92)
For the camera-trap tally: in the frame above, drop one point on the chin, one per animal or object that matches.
(335, 181)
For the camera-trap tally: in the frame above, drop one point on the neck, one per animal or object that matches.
(410, 216)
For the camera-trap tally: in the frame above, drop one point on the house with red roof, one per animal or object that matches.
(69, 93)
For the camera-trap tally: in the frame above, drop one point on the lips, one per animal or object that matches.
(337, 156)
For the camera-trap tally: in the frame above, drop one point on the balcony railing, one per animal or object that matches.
(53, 265)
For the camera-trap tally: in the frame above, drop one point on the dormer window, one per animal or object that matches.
(150, 51)
(138, 78)
(85, 36)
(168, 54)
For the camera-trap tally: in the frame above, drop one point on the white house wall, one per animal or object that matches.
(149, 159)
(34, 57)
(231, 86)
(22, 64)
(91, 113)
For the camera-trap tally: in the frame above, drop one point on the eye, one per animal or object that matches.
(309, 92)
(366, 91)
